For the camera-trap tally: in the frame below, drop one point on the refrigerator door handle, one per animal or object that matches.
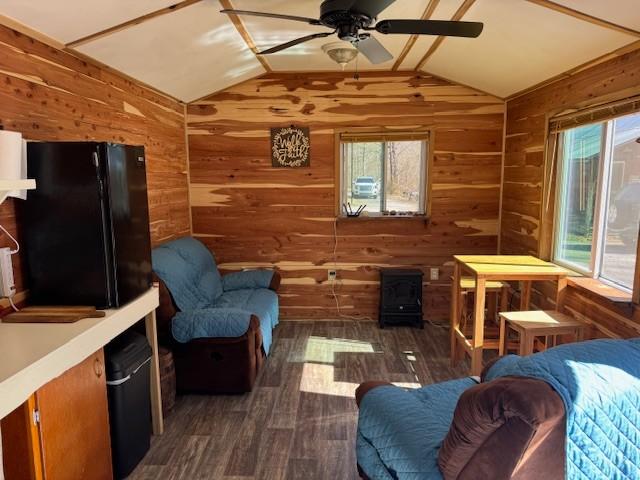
(96, 162)
(105, 227)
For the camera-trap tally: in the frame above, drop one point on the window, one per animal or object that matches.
(598, 214)
(384, 173)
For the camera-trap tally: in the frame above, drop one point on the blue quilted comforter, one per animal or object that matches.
(599, 382)
(213, 306)
(400, 431)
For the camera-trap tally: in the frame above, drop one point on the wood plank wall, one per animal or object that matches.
(524, 175)
(251, 214)
(48, 94)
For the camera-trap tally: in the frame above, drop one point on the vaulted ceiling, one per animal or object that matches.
(189, 49)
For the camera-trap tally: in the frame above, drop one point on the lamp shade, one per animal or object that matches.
(340, 52)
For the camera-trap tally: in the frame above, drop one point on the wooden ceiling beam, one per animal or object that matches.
(428, 11)
(131, 23)
(30, 32)
(585, 17)
(464, 8)
(244, 33)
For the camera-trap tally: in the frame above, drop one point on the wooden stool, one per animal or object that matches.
(537, 323)
(497, 294)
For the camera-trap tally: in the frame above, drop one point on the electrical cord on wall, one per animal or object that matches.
(13, 305)
(333, 283)
(12, 252)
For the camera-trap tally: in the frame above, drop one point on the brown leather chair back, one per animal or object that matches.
(164, 313)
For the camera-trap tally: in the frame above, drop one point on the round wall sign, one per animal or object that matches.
(290, 147)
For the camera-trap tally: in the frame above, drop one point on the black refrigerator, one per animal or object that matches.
(86, 225)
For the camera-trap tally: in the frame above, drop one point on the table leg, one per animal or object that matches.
(504, 299)
(492, 306)
(156, 395)
(454, 323)
(525, 295)
(561, 293)
(478, 327)
(531, 342)
(527, 341)
(502, 347)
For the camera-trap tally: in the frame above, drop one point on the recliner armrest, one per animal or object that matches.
(260, 278)
(366, 387)
(504, 429)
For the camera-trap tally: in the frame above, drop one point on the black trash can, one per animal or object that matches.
(128, 360)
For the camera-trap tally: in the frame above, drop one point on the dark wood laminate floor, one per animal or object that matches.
(300, 420)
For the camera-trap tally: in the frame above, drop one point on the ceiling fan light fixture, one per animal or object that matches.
(340, 52)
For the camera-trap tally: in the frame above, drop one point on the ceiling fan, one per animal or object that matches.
(348, 18)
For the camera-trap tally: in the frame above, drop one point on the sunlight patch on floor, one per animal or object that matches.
(319, 378)
(323, 350)
(318, 371)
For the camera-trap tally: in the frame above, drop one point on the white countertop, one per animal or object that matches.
(35, 353)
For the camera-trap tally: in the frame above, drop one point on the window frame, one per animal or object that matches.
(383, 135)
(601, 207)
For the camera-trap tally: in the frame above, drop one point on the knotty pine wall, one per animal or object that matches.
(253, 215)
(612, 79)
(49, 94)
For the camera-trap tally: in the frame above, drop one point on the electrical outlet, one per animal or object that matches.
(434, 274)
(7, 287)
(332, 275)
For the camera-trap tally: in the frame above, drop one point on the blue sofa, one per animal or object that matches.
(570, 412)
(218, 327)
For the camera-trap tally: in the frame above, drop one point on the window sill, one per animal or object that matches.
(600, 290)
(379, 216)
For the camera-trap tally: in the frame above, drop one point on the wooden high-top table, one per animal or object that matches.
(483, 268)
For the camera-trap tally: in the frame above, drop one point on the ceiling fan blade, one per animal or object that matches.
(293, 43)
(430, 27)
(311, 21)
(374, 51)
(371, 8)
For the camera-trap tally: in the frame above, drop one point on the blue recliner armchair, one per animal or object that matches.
(218, 327)
(571, 412)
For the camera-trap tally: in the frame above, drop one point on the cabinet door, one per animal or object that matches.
(21, 455)
(74, 423)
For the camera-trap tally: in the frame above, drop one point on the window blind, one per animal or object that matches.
(360, 137)
(595, 114)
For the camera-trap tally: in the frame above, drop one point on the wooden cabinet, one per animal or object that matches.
(62, 431)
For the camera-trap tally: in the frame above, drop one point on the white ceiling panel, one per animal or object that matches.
(188, 54)
(197, 50)
(444, 11)
(309, 56)
(521, 45)
(71, 20)
(620, 12)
